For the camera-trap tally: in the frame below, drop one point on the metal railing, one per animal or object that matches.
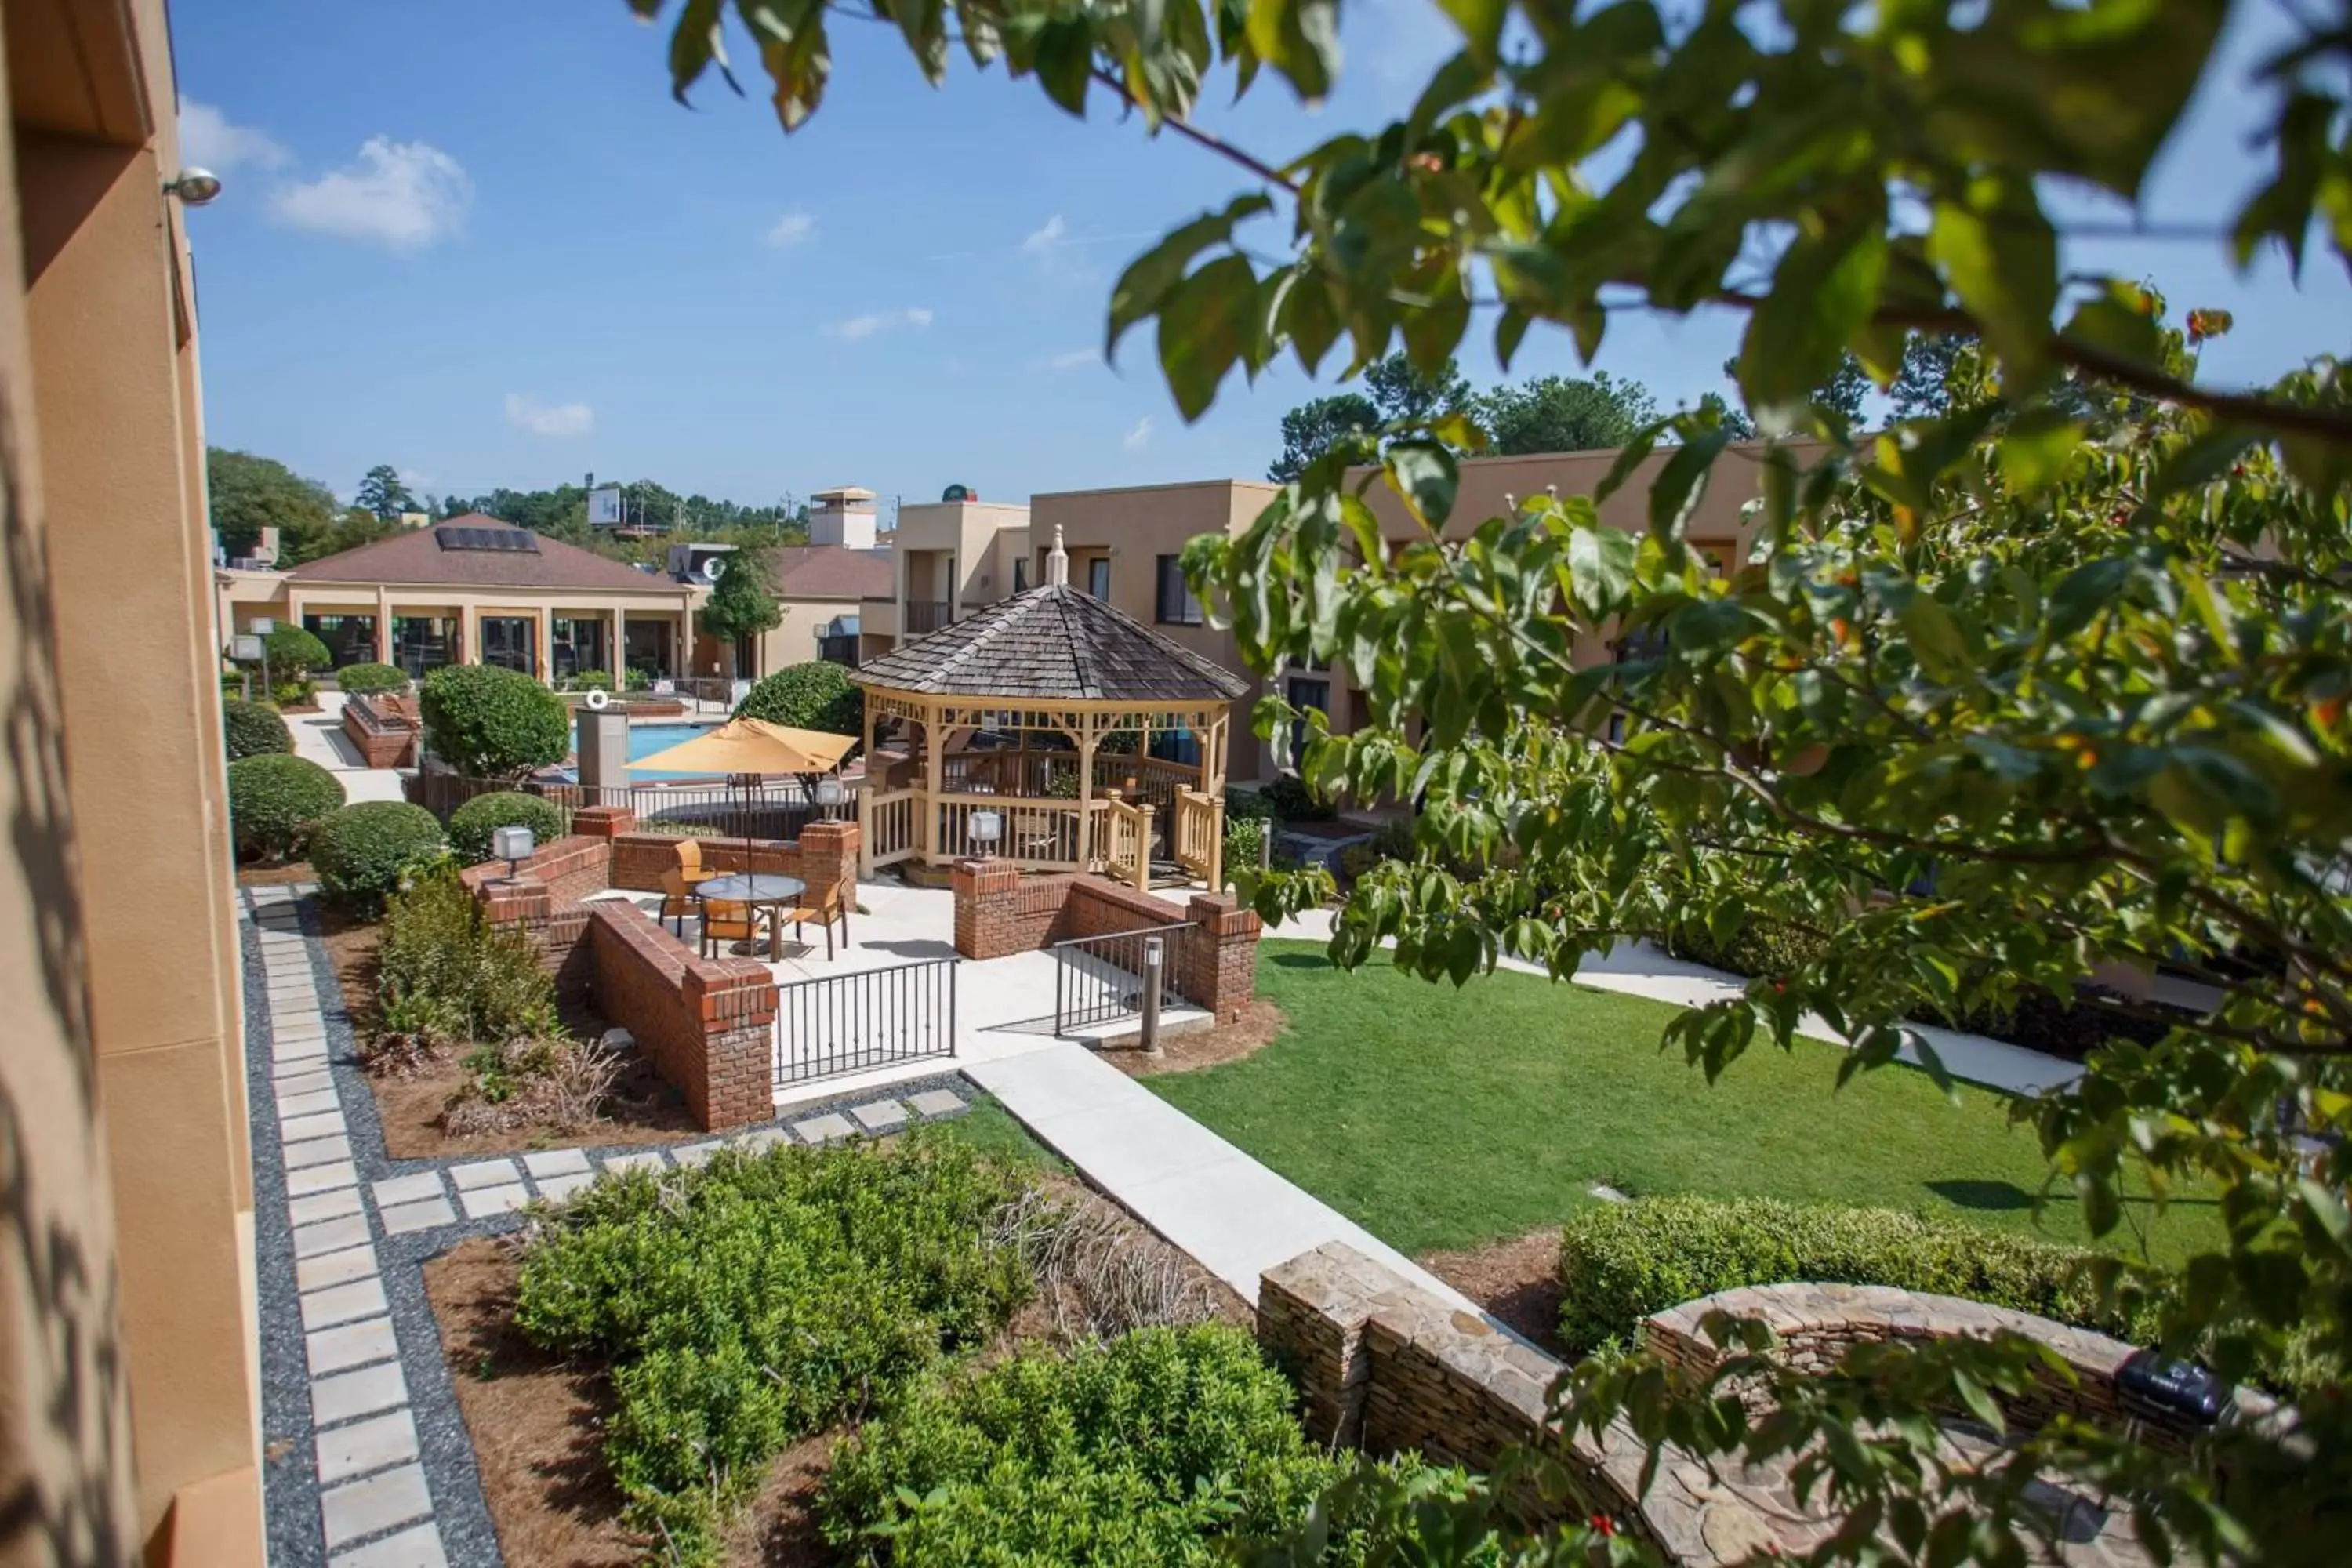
(1100, 979)
(777, 809)
(867, 1018)
(927, 616)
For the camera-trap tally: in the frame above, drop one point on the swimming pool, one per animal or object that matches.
(645, 740)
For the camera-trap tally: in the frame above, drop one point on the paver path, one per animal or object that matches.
(1639, 969)
(318, 738)
(1207, 1198)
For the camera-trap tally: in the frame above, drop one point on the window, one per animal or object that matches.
(506, 641)
(349, 640)
(1303, 695)
(1177, 607)
(1020, 574)
(580, 644)
(1099, 576)
(423, 643)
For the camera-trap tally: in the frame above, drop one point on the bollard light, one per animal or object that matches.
(987, 827)
(828, 796)
(513, 845)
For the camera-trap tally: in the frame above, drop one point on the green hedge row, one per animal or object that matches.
(471, 825)
(370, 679)
(1621, 1262)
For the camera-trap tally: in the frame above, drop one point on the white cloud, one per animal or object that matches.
(208, 140)
(1075, 359)
(400, 194)
(856, 327)
(558, 421)
(795, 227)
(1139, 438)
(1045, 238)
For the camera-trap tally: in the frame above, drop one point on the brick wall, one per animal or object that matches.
(640, 858)
(707, 1024)
(383, 729)
(562, 872)
(1212, 964)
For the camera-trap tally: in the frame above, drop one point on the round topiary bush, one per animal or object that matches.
(276, 801)
(817, 696)
(488, 722)
(254, 730)
(370, 680)
(295, 652)
(360, 851)
(471, 825)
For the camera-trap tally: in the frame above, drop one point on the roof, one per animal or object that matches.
(1052, 643)
(424, 557)
(827, 572)
(843, 492)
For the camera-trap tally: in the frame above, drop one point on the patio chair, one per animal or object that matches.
(723, 921)
(689, 862)
(826, 906)
(678, 898)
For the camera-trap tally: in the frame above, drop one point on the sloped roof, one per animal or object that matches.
(1052, 643)
(418, 559)
(827, 572)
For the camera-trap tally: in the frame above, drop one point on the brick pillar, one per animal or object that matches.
(602, 821)
(504, 901)
(733, 1002)
(984, 907)
(1219, 954)
(829, 855)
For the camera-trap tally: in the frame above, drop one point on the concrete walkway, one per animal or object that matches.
(318, 738)
(1207, 1198)
(1639, 969)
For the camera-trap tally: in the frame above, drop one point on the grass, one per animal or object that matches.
(990, 1129)
(1439, 1119)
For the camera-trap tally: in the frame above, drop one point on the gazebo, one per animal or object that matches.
(1094, 742)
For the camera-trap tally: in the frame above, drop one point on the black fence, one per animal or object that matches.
(1100, 979)
(775, 809)
(866, 1018)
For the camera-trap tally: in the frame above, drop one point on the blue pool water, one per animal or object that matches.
(645, 740)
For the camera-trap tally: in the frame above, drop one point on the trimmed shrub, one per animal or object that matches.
(489, 722)
(295, 652)
(361, 851)
(277, 802)
(471, 825)
(815, 696)
(1621, 1262)
(1244, 841)
(444, 976)
(254, 730)
(589, 680)
(761, 1298)
(1765, 947)
(1293, 801)
(370, 679)
(1144, 1450)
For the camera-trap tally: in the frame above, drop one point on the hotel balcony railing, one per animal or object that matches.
(927, 616)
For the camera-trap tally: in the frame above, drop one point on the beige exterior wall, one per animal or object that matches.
(129, 1372)
(958, 553)
(794, 639)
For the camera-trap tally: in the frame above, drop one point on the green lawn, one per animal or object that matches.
(1440, 1119)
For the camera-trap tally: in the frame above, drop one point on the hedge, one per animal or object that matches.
(254, 730)
(1621, 1262)
(489, 722)
(361, 851)
(814, 696)
(276, 801)
(370, 679)
(1155, 1447)
(471, 825)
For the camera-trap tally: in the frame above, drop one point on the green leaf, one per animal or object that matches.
(1149, 277)
(1300, 38)
(1997, 252)
(1065, 62)
(1425, 474)
(1600, 569)
(1822, 293)
(1206, 323)
(1936, 640)
(1481, 22)
(1676, 493)
(2120, 322)
(2035, 449)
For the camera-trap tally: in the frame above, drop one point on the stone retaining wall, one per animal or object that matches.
(1213, 963)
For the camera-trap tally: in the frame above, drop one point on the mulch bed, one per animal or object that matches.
(1260, 1022)
(262, 876)
(642, 1109)
(1517, 1280)
(537, 1426)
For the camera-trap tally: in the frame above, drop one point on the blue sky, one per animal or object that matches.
(479, 242)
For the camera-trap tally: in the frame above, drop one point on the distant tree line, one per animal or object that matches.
(250, 493)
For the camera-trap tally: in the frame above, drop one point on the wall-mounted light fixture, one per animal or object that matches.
(195, 186)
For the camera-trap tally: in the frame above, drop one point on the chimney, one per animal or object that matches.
(1057, 560)
(843, 517)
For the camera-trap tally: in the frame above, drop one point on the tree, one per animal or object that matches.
(1310, 429)
(740, 604)
(248, 493)
(2063, 675)
(382, 494)
(1404, 395)
(1564, 414)
(810, 696)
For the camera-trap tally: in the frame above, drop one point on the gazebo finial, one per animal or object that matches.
(1057, 560)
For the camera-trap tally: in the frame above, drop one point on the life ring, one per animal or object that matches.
(597, 702)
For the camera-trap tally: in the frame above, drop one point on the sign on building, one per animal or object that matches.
(604, 508)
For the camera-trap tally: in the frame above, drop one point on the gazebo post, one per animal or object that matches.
(866, 800)
(1086, 791)
(933, 770)
(1213, 785)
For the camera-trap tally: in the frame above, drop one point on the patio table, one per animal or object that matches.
(769, 891)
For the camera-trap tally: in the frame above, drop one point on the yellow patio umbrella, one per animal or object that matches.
(749, 746)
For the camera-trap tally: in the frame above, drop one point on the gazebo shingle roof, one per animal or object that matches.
(1052, 644)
